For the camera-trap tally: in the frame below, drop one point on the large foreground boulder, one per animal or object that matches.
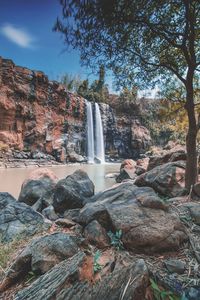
(167, 179)
(42, 254)
(34, 188)
(139, 214)
(18, 219)
(72, 191)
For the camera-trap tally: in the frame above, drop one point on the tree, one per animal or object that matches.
(98, 90)
(72, 82)
(146, 41)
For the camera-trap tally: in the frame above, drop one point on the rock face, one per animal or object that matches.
(139, 214)
(36, 113)
(18, 219)
(124, 136)
(72, 191)
(167, 179)
(41, 116)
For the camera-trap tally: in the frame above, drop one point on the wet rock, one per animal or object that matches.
(41, 255)
(167, 179)
(35, 187)
(96, 235)
(175, 266)
(139, 214)
(18, 219)
(73, 191)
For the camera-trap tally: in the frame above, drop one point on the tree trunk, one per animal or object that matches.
(191, 174)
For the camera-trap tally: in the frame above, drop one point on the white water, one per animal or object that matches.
(90, 133)
(99, 140)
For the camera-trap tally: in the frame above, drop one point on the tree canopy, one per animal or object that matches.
(140, 40)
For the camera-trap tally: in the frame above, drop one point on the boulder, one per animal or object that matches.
(139, 214)
(41, 255)
(39, 182)
(127, 170)
(170, 156)
(96, 235)
(141, 166)
(74, 157)
(18, 219)
(72, 192)
(167, 179)
(175, 266)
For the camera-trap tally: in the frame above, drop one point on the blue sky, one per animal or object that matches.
(27, 38)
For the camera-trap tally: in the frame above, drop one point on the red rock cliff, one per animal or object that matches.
(36, 113)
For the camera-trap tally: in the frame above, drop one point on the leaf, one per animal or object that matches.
(154, 285)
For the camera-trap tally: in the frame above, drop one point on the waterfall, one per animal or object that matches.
(99, 140)
(90, 133)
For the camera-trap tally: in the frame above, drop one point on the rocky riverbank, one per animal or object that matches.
(136, 240)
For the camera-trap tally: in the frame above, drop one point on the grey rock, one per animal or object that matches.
(18, 219)
(72, 191)
(49, 213)
(34, 190)
(97, 235)
(175, 266)
(167, 179)
(72, 214)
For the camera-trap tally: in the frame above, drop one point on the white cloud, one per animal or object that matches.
(18, 36)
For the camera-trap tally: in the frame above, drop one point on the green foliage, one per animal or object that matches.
(161, 294)
(116, 239)
(96, 266)
(72, 82)
(97, 91)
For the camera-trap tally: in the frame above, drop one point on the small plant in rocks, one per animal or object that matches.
(115, 239)
(96, 266)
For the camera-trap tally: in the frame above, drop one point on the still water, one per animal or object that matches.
(12, 179)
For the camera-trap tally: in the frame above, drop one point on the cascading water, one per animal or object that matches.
(90, 133)
(99, 140)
